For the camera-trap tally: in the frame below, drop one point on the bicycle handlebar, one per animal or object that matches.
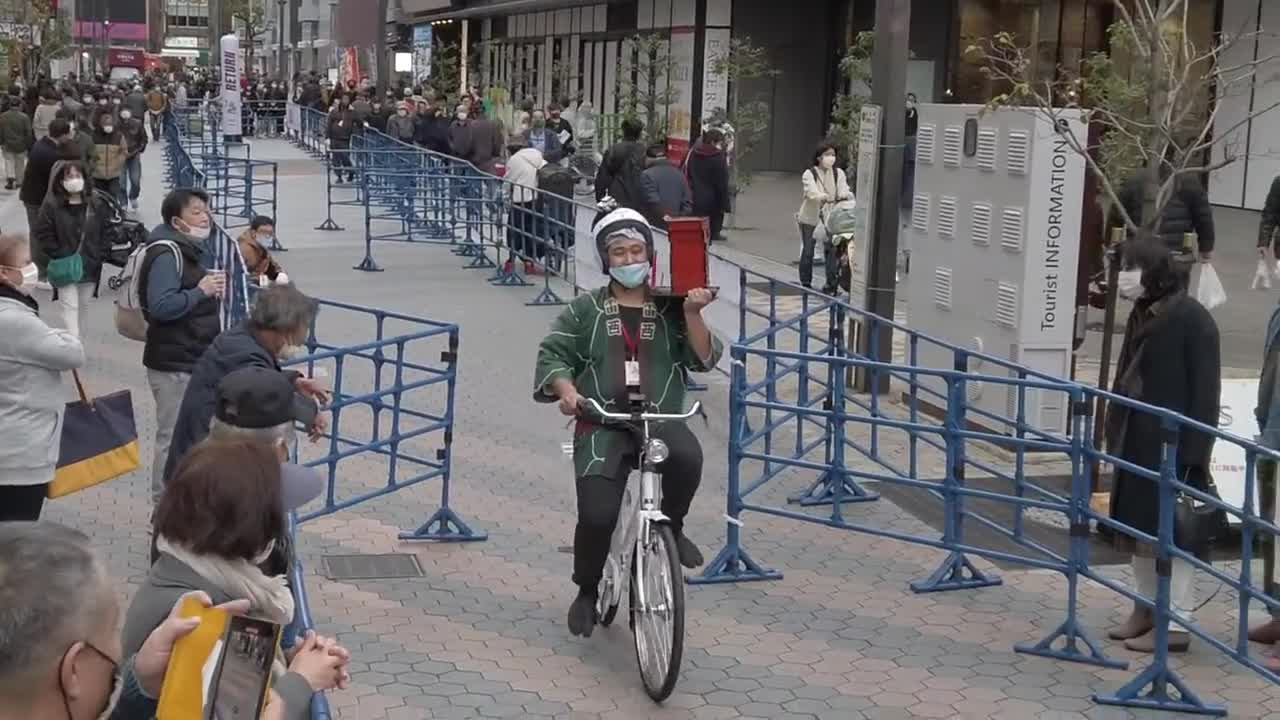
(595, 406)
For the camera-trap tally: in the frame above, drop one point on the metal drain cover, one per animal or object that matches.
(367, 567)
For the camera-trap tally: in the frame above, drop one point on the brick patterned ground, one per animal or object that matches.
(482, 634)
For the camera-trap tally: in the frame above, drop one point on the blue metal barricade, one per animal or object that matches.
(806, 408)
(394, 384)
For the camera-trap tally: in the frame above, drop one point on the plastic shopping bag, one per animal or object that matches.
(1262, 275)
(1209, 290)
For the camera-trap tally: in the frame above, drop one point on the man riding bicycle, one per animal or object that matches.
(604, 341)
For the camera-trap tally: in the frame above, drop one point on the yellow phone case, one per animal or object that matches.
(182, 695)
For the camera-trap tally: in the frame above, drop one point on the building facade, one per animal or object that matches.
(556, 49)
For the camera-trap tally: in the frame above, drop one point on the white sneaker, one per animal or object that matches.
(44, 285)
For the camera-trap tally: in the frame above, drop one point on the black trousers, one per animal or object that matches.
(807, 243)
(22, 502)
(522, 231)
(600, 498)
(341, 158)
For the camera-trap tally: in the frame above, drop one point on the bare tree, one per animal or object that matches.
(846, 110)
(645, 88)
(1151, 95)
(32, 33)
(251, 17)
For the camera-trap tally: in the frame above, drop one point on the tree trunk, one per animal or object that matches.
(1157, 105)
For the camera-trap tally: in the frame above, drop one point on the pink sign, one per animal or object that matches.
(92, 29)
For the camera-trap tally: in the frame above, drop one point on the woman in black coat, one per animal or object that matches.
(72, 219)
(1170, 359)
(707, 170)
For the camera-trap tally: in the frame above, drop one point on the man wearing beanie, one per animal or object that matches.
(604, 342)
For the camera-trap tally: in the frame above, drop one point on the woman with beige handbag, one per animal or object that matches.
(33, 358)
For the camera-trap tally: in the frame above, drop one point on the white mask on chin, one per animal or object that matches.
(1129, 284)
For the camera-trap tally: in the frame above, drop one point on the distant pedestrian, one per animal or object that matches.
(400, 126)
(666, 192)
(561, 126)
(1170, 359)
(135, 135)
(342, 125)
(45, 114)
(619, 175)
(157, 108)
(823, 184)
(542, 138)
(16, 139)
(708, 172)
(524, 236)
(110, 153)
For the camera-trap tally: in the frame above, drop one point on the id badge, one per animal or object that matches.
(632, 370)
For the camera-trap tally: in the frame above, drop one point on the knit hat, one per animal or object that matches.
(621, 224)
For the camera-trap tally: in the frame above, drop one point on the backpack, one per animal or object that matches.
(557, 179)
(131, 322)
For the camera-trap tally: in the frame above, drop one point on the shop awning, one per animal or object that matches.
(504, 7)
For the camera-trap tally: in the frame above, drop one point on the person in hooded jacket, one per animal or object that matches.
(71, 220)
(33, 357)
(135, 135)
(708, 172)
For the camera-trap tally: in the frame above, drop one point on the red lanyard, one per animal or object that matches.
(632, 343)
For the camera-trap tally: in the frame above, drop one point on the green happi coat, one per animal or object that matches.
(586, 346)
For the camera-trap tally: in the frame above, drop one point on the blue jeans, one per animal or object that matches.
(131, 179)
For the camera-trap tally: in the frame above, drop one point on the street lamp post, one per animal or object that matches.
(280, 42)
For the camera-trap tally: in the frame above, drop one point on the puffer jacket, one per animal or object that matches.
(109, 154)
(61, 227)
(15, 131)
(1187, 211)
(33, 357)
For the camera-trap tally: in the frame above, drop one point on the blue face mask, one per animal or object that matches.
(630, 276)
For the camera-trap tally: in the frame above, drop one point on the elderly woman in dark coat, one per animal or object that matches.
(1170, 359)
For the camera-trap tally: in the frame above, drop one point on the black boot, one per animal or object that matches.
(582, 614)
(690, 555)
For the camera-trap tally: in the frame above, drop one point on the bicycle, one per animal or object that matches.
(643, 541)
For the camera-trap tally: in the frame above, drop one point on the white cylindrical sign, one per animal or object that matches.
(229, 97)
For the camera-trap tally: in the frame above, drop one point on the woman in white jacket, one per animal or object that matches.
(524, 237)
(824, 184)
(33, 357)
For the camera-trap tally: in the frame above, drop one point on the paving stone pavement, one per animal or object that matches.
(482, 634)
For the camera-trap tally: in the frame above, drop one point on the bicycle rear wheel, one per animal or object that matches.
(659, 625)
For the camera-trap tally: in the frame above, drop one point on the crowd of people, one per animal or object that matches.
(221, 481)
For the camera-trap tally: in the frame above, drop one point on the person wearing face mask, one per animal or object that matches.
(135, 136)
(1170, 359)
(181, 301)
(602, 338)
(222, 516)
(136, 102)
(542, 138)
(824, 184)
(258, 262)
(561, 127)
(110, 153)
(60, 651)
(401, 125)
(71, 221)
(33, 358)
(276, 331)
(157, 107)
(47, 151)
(431, 129)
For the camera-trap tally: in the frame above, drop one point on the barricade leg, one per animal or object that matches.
(368, 264)
(547, 296)
(445, 525)
(956, 572)
(835, 484)
(328, 223)
(302, 621)
(733, 563)
(1150, 689)
(1070, 632)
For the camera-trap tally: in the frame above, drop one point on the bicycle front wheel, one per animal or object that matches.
(657, 613)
